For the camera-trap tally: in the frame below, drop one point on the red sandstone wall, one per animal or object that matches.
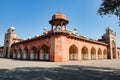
(1, 51)
(59, 47)
(79, 44)
(37, 43)
(118, 52)
(62, 51)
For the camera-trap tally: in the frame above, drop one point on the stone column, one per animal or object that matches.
(97, 55)
(116, 53)
(79, 54)
(102, 54)
(29, 52)
(111, 53)
(22, 54)
(89, 55)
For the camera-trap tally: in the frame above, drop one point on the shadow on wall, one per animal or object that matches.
(60, 73)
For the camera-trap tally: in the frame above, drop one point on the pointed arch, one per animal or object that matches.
(44, 53)
(105, 54)
(33, 54)
(25, 54)
(93, 53)
(113, 44)
(73, 52)
(99, 53)
(19, 56)
(14, 54)
(84, 53)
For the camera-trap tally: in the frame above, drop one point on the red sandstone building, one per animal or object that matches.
(60, 44)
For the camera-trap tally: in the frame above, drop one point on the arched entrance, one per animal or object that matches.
(93, 53)
(15, 54)
(44, 53)
(84, 53)
(105, 54)
(73, 53)
(25, 55)
(114, 49)
(33, 54)
(19, 56)
(99, 53)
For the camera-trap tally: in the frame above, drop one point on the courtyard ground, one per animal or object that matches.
(73, 70)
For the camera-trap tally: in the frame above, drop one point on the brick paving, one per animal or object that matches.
(73, 70)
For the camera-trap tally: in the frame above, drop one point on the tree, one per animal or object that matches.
(110, 7)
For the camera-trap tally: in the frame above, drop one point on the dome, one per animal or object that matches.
(58, 21)
(58, 15)
(109, 28)
(12, 28)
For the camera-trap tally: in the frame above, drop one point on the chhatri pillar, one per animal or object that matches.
(58, 21)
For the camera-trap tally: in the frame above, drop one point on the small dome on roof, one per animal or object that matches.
(58, 21)
(109, 28)
(58, 15)
(12, 28)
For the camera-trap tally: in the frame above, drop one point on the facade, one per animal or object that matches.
(60, 44)
(1, 51)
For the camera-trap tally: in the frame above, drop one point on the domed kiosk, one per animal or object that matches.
(58, 21)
